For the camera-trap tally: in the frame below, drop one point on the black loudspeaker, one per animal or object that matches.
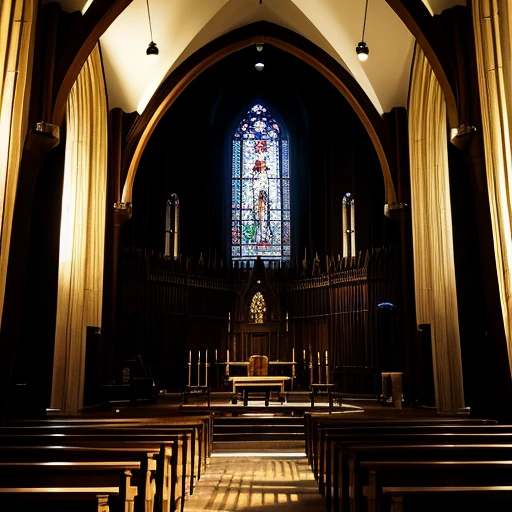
(425, 390)
(93, 366)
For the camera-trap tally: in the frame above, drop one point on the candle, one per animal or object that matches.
(215, 355)
(352, 228)
(293, 355)
(190, 356)
(344, 227)
(176, 226)
(227, 356)
(206, 356)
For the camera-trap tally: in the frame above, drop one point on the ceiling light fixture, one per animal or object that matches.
(362, 49)
(152, 50)
(259, 66)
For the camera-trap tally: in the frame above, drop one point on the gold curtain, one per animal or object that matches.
(434, 271)
(492, 21)
(17, 32)
(82, 232)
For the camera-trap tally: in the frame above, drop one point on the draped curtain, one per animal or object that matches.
(17, 31)
(434, 270)
(82, 233)
(492, 22)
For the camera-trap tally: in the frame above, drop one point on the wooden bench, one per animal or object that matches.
(194, 444)
(177, 417)
(313, 421)
(433, 475)
(21, 483)
(185, 438)
(27, 499)
(327, 461)
(317, 428)
(328, 435)
(350, 490)
(172, 467)
(155, 464)
(447, 498)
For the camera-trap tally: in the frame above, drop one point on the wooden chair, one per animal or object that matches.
(258, 366)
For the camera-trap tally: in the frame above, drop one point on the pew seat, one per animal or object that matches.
(446, 498)
(441, 474)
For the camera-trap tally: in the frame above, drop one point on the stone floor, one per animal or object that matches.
(257, 483)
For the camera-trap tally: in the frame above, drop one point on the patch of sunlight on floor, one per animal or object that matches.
(230, 485)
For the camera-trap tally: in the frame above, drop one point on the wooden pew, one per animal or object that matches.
(447, 498)
(328, 456)
(21, 483)
(433, 475)
(171, 467)
(200, 420)
(326, 436)
(194, 458)
(325, 458)
(352, 482)
(146, 464)
(91, 499)
(313, 421)
(318, 428)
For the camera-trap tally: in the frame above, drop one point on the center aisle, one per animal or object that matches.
(256, 482)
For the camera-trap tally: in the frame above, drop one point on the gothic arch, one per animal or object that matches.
(284, 39)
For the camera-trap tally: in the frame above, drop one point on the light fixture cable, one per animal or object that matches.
(152, 50)
(362, 49)
(364, 21)
(151, 30)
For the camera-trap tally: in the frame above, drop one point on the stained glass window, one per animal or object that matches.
(260, 189)
(258, 309)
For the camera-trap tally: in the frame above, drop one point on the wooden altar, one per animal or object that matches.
(249, 385)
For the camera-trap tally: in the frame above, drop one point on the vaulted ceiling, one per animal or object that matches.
(181, 27)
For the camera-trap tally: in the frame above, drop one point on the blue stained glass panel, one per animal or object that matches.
(235, 233)
(235, 194)
(286, 194)
(235, 167)
(286, 164)
(286, 232)
(260, 155)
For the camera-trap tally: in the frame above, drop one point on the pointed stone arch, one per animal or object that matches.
(284, 39)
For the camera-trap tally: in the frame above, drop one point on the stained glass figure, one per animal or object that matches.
(258, 309)
(260, 191)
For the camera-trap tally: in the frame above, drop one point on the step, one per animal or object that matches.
(258, 446)
(259, 436)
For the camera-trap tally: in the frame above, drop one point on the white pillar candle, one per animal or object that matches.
(176, 227)
(352, 228)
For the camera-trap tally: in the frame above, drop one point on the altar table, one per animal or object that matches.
(258, 384)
